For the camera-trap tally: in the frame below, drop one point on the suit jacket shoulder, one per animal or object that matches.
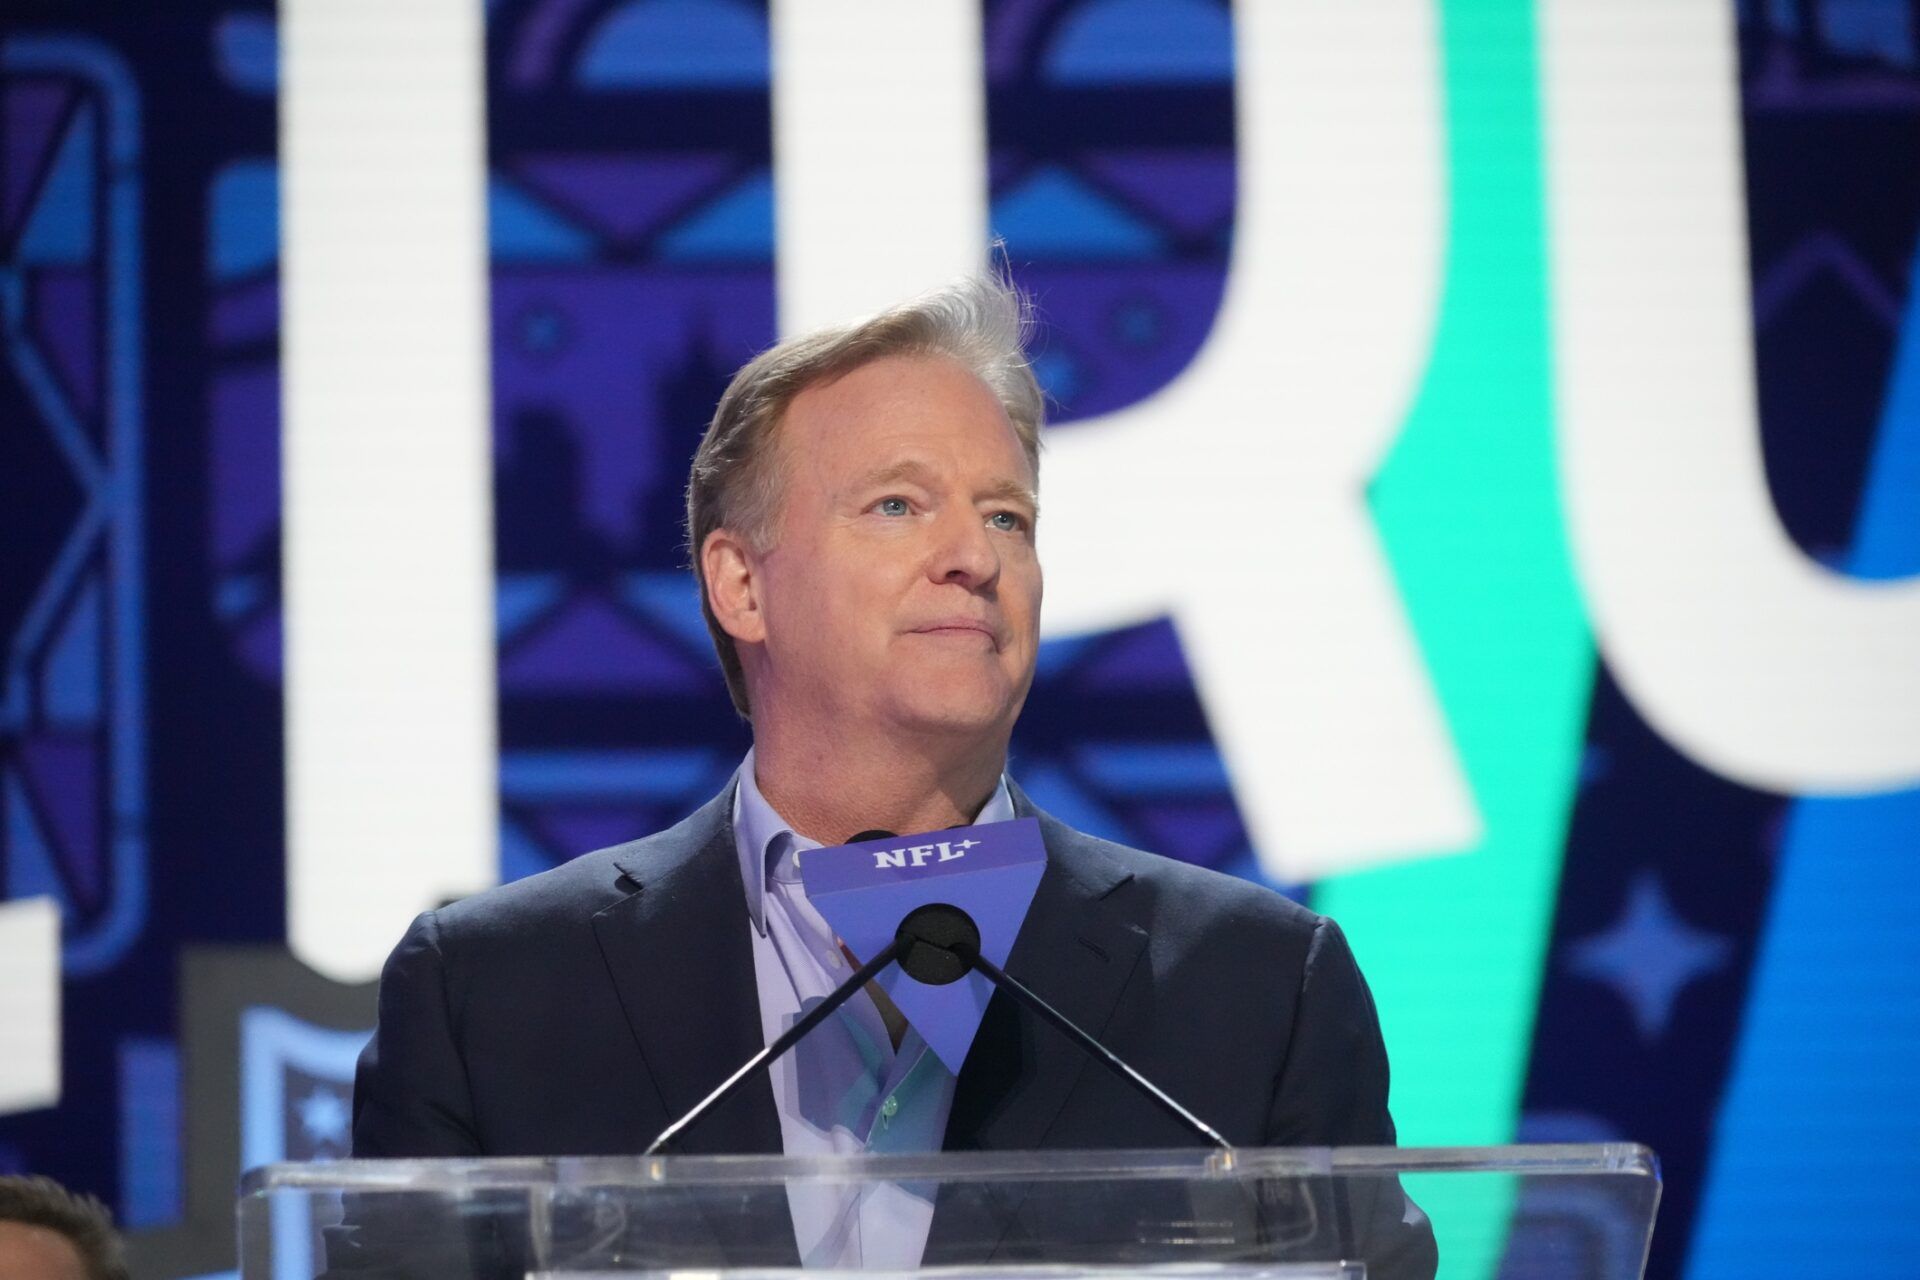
(1240, 1003)
(568, 895)
(1183, 895)
(1192, 915)
(508, 1021)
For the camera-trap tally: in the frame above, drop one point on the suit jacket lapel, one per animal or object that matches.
(1076, 950)
(677, 950)
(678, 953)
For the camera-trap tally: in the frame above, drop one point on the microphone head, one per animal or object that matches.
(937, 944)
(875, 834)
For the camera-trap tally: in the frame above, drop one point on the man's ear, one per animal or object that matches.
(733, 585)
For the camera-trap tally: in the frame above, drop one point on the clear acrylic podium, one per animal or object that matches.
(1483, 1213)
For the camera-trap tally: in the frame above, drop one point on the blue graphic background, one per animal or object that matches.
(1694, 986)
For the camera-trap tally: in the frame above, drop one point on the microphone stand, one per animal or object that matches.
(1025, 995)
(786, 1040)
(936, 944)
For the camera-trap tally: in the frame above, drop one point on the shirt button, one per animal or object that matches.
(889, 1108)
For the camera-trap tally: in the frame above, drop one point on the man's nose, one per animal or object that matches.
(964, 551)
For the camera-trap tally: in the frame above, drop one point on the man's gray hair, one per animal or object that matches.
(980, 322)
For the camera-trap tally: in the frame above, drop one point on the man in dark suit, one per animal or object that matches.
(862, 519)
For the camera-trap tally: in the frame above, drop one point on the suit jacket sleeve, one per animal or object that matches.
(1333, 1092)
(410, 1093)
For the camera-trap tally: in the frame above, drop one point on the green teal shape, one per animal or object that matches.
(1469, 514)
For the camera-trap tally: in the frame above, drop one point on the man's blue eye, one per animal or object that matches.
(1006, 521)
(892, 506)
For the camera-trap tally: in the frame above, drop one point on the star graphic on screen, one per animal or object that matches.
(323, 1115)
(1648, 955)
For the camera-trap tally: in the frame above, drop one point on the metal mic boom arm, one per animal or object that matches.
(1025, 995)
(936, 944)
(787, 1039)
(942, 944)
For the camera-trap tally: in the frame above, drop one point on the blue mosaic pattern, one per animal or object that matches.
(73, 697)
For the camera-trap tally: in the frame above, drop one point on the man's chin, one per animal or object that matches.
(946, 712)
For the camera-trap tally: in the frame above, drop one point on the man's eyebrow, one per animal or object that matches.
(1006, 489)
(1013, 491)
(917, 472)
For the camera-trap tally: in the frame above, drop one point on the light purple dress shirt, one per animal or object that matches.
(844, 1089)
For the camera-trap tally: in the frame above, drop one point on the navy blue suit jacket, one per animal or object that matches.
(580, 1011)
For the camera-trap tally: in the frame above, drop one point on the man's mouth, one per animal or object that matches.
(958, 629)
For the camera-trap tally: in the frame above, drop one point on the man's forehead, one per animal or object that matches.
(892, 388)
(897, 415)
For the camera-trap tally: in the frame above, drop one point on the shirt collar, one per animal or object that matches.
(761, 837)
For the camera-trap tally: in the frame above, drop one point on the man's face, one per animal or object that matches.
(901, 588)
